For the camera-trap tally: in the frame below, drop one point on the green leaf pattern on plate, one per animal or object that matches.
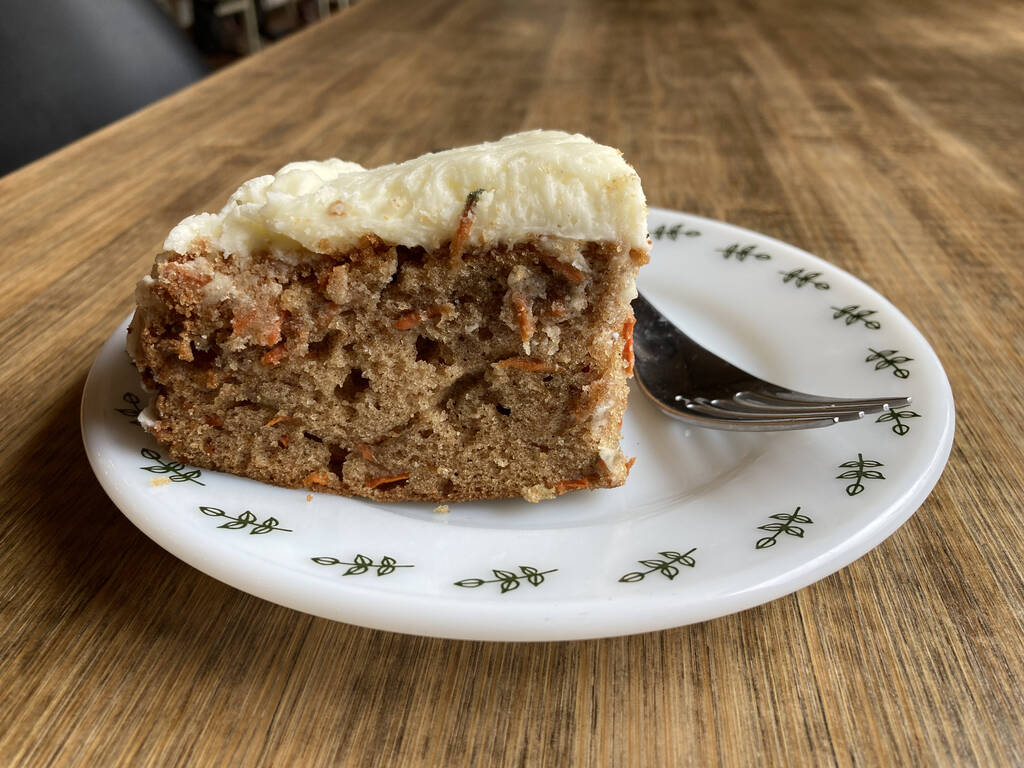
(743, 252)
(134, 407)
(361, 564)
(509, 580)
(173, 469)
(858, 470)
(673, 232)
(245, 520)
(889, 358)
(852, 313)
(800, 277)
(788, 524)
(897, 417)
(669, 567)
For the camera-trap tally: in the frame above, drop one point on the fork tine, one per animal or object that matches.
(747, 425)
(780, 400)
(743, 408)
(738, 413)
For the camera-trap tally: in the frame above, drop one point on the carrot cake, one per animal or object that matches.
(454, 327)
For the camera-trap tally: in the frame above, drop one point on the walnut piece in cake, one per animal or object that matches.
(454, 327)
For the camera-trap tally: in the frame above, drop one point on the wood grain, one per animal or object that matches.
(884, 137)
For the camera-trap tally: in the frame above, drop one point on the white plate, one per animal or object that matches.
(709, 522)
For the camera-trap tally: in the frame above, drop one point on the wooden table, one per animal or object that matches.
(885, 137)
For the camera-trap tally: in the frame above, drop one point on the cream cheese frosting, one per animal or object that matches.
(534, 184)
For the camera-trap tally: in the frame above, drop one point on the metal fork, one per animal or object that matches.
(691, 384)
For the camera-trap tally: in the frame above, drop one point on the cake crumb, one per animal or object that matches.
(537, 492)
(442, 509)
(156, 482)
(309, 497)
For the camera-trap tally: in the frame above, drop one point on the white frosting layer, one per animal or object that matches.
(535, 183)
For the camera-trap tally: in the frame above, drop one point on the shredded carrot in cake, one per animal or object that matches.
(274, 355)
(283, 440)
(408, 320)
(630, 462)
(627, 350)
(527, 364)
(373, 482)
(562, 486)
(524, 317)
(272, 334)
(316, 478)
(275, 420)
(415, 317)
(365, 451)
(568, 271)
(465, 225)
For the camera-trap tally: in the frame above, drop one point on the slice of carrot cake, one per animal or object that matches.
(454, 327)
